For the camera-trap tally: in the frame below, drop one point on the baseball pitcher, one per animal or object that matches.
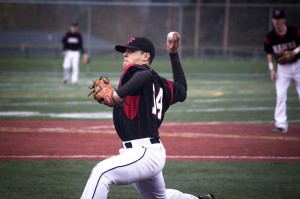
(139, 106)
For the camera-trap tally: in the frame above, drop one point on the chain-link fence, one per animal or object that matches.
(35, 28)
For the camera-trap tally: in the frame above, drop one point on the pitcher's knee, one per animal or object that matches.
(159, 194)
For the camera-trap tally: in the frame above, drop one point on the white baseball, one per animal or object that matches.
(170, 36)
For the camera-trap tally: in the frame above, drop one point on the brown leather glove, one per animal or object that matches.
(285, 57)
(103, 92)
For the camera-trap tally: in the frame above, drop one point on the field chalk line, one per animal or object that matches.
(212, 157)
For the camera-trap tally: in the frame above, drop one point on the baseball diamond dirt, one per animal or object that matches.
(42, 139)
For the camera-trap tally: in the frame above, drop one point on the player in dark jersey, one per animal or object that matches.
(282, 38)
(72, 48)
(149, 98)
(144, 97)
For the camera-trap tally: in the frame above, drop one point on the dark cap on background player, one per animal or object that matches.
(74, 23)
(278, 14)
(74, 27)
(138, 43)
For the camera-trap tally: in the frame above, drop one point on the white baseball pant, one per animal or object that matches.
(72, 58)
(140, 165)
(285, 74)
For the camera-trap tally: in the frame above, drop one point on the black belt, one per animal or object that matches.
(152, 140)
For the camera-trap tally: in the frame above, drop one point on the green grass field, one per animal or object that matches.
(234, 180)
(219, 90)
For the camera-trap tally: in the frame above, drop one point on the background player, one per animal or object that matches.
(72, 47)
(283, 38)
(140, 103)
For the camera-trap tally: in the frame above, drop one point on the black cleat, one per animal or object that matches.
(208, 196)
(280, 130)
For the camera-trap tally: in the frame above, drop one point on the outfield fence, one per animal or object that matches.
(35, 27)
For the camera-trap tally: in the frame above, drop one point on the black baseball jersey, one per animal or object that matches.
(274, 43)
(73, 41)
(144, 108)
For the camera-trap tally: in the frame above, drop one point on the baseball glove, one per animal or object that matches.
(85, 58)
(285, 57)
(103, 91)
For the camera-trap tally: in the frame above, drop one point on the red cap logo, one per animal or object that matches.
(131, 39)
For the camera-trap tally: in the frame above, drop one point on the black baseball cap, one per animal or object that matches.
(138, 43)
(74, 23)
(278, 14)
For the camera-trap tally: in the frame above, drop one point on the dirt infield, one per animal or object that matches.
(27, 140)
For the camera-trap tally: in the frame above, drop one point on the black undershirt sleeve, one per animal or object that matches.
(136, 82)
(139, 78)
(178, 73)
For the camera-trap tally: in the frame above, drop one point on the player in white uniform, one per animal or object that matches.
(283, 38)
(72, 48)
